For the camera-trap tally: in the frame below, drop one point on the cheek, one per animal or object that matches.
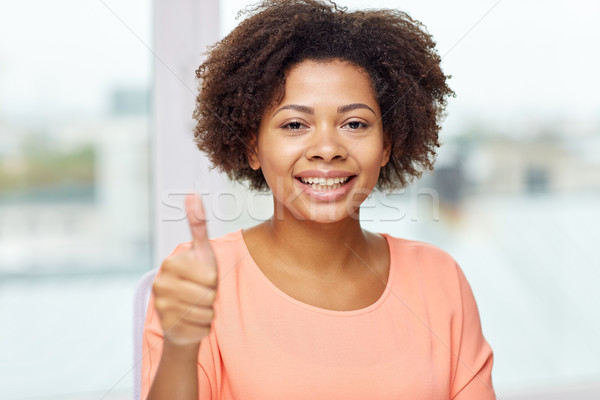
(370, 157)
(277, 167)
(278, 154)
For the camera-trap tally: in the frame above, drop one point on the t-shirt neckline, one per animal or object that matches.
(255, 269)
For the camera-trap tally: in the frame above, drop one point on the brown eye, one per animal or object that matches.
(354, 125)
(294, 125)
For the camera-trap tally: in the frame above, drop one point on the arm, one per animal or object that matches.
(177, 374)
(183, 294)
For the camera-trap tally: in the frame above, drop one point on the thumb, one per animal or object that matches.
(197, 221)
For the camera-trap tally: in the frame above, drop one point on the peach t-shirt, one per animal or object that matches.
(421, 339)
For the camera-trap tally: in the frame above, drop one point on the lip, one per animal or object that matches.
(329, 195)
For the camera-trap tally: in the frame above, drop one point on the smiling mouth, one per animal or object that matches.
(325, 184)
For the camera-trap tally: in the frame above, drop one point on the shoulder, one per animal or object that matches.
(229, 250)
(433, 286)
(226, 243)
(412, 251)
(426, 267)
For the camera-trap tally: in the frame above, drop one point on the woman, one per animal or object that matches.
(320, 106)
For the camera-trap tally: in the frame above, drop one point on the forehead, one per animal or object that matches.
(333, 80)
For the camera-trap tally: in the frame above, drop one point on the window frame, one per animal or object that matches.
(178, 167)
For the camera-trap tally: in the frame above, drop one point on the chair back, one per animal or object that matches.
(140, 306)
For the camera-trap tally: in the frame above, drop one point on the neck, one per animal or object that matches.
(317, 247)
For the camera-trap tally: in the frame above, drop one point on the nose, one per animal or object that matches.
(326, 145)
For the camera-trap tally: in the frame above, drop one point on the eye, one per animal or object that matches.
(355, 125)
(293, 126)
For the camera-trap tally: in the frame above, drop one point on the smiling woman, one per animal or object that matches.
(246, 74)
(329, 139)
(308, 303)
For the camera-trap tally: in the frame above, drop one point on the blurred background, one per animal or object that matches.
(89, 95)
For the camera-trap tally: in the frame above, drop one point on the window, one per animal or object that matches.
(75, 220)
(514, 198)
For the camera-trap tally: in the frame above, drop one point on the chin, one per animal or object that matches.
(326, 216)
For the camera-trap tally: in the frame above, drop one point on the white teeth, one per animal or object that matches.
(325, 188)
(325, 183)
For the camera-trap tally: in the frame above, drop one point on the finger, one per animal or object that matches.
(191, 293)
(189, 316)
(184, 276)
(197, 221)
(172, 310)
(196, 314)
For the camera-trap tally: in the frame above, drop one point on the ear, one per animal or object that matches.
(252, 152)
(387, 149)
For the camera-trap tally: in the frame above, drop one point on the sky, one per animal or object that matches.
(508, 59)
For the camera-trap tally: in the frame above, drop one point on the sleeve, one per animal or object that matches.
(472, 357)
(152, 345)
(151, 348)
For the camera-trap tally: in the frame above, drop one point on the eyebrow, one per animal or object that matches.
(355, 106)
(297, 107)
(311, 111)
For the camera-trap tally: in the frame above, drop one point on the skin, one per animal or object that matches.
(316, 251)
(184, 292)
(313, 248)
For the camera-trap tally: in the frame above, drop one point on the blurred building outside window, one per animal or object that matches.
(514, 197)
(75, 216)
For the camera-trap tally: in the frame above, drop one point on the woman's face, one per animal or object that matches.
(322, 147)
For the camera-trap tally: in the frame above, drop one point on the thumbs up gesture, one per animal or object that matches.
(185, 289)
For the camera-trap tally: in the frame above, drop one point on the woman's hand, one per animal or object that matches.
(185, 289)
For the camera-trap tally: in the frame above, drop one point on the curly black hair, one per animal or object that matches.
(244, 74)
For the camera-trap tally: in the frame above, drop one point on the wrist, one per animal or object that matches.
(179, 351)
